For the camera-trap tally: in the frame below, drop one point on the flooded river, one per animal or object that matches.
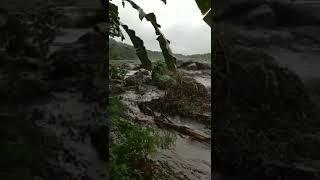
(188, 158)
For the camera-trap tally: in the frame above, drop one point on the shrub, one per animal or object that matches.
(162, 77)
(132, 145)
(117, 72)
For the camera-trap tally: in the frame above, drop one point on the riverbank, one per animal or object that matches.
(192, 128)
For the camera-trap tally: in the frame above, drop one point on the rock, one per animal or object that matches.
(190, 65)
(193, 67)
(185, 64)
(202, 66)
(141, 77)
(262, 15)
(194, 88)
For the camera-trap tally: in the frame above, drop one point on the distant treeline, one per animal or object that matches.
(121, 51)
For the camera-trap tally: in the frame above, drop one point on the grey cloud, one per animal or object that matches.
(180, 20)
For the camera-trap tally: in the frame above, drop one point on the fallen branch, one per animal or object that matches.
(160, 122)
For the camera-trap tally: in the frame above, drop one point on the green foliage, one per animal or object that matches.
(137, 42)
(141, 50)
(117, 72)
(159, 67)
(132, 145)
(162, 77)
(170, 59)
(205, 8)
(163, 42)
(114, 23)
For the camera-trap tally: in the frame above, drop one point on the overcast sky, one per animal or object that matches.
(181, 23)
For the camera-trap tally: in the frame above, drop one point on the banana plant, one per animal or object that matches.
(164, 43)
(205, 8)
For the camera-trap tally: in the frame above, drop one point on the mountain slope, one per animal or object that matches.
(121, 51)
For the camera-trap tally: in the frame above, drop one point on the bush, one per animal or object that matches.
(162, 77)
(132, 145)
(117, 72)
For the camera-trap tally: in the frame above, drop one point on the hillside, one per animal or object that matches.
(121, 51)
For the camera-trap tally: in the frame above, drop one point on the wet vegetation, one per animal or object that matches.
(132, 145)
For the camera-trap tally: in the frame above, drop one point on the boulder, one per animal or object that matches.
(203, 66)
(141, 77)
(182, 64)
(190, 65)
(193, 67)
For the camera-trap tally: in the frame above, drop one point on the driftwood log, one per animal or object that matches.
(162, 121)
